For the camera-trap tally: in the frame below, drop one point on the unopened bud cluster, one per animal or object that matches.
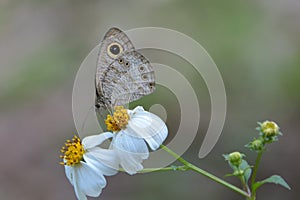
(268, 132)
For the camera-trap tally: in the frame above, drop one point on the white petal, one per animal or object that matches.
(105, 160)
(131, 151)
(88, 180)
(148, 126)
(136, 110)
(79, 193)
(95, 140)
(69, 173)
(155, 141)
(131, 163)
(127, 143)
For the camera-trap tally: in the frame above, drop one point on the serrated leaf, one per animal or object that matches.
(273, 179)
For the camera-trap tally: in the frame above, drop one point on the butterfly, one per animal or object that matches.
(123, 75)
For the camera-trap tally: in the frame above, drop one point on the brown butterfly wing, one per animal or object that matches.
(114, 37)
(123, 75)
(127, 79)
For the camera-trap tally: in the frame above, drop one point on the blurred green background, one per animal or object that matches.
(255, 45)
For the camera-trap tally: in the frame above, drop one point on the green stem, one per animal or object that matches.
(253, 178)
(200, 171)
(171, 168)
(244, 184)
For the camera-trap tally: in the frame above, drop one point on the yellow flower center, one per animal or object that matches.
(72, 152)
(118, 121)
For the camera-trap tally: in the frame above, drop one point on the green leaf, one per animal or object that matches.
(273, 179)
(247, 170)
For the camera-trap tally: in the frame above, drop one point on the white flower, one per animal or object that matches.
(134, 129)
(85, 164)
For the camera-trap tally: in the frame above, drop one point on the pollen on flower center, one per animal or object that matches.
(119, 120)
(72, 152)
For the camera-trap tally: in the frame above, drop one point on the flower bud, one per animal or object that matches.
(235, 158)
(238, 172)
(269, 129)
(256, 145)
